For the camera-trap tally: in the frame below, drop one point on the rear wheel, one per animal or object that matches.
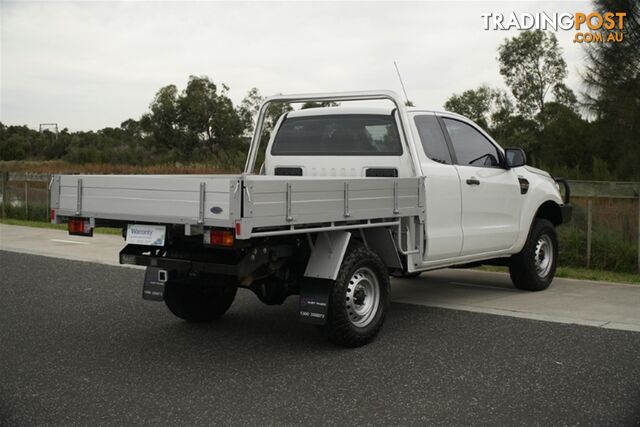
(359, 299)
(534, 267)
(200, 298)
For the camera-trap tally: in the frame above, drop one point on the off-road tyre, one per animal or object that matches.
(341, 328)
(526, 270)
(201, 298)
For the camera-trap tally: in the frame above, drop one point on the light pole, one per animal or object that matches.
(52, 127)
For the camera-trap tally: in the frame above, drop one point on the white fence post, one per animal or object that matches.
(589, 231)
(26, 198)
(4, 176)
(47, 211)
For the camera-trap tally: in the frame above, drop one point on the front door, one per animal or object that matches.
(491, 199)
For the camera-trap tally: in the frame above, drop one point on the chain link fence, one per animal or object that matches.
(603, 234)
(25, 196)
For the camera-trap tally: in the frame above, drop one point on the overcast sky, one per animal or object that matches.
(87, 65)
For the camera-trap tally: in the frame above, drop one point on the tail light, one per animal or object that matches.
(219, 238)
(79, 227)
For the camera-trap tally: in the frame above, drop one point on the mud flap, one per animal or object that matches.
(314, 300)
(154, 280)
(326, 254)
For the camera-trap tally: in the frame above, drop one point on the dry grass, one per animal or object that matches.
(59, 166)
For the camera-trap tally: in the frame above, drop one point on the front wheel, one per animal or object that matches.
(200, 298)
(534, 267)
(359, 299)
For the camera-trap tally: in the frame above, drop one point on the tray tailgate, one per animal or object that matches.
(154, 198)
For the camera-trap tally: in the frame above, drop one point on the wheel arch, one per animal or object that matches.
(549, 210)
(330, 247)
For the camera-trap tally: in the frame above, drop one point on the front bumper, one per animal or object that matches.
(566, 210)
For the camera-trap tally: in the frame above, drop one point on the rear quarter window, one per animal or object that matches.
(338, 135)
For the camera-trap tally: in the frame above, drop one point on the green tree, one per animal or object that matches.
(563, 143)
(476, 104)
(161, 122)
(274, 112)
(249, 108)
(197, 107)
(131, 127)
(208, 114)
(12, 147)
(532, 66)
(612, 78)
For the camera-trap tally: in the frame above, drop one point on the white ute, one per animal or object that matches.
(345, 197)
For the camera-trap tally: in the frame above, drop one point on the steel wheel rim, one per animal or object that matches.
(543, 256)
(363, 297)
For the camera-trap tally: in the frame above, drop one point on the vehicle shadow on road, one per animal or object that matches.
(251, 330)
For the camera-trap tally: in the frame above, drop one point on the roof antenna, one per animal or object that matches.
(407, 102)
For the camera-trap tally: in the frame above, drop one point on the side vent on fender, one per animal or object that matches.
(288, 171)
(524, 185)
(382, 172)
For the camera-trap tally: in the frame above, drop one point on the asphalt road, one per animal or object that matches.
(79, 346)
(582, 302)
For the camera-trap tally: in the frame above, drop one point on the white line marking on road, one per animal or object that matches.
(70, 241)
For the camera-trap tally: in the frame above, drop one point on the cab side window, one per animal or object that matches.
(432, 138)
(470, 146)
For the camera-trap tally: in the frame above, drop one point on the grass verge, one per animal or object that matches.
(42, 224)
(582, 274)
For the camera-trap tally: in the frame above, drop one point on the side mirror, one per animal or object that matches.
(514, 157)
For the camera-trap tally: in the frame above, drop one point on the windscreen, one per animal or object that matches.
(338, 135)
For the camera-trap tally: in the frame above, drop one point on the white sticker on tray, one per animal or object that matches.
(150, 235)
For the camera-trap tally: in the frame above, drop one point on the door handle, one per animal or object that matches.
(473, 181)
